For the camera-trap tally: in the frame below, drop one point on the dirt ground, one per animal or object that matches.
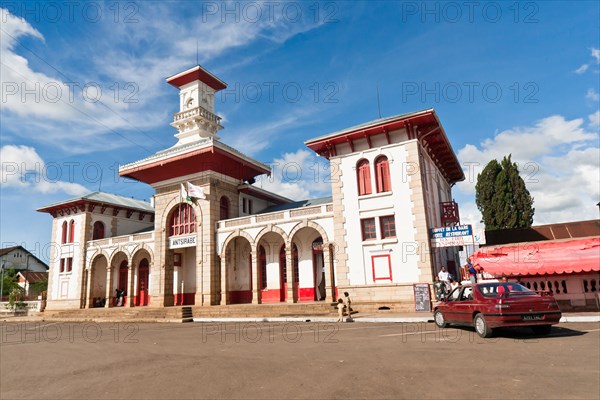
(294, 361)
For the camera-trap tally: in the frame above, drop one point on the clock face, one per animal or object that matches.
(189, 104)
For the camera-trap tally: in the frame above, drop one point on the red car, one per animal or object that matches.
(490, 305)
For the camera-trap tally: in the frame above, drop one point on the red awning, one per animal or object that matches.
(540, 258)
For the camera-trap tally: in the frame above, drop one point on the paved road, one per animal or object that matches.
(294, 361)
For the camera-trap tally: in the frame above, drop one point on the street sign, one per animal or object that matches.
(447, 236)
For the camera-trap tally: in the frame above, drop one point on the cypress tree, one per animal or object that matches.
(502, 198)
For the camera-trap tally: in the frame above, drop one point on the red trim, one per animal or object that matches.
(363, 176)
(196, 73)
(429, 129)
(382, 175)
(72, 231)
(240, 296)
(270, 296)
(387, 223)
(207, 158)
(63, 235)
(388, 278)
(184, 299)
(306, 294)
(364, 231)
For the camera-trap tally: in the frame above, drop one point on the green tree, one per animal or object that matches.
(502, 197)
(10, 281)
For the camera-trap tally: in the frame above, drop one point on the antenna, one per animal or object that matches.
(100, 183)
(378, 102)
(197, 53)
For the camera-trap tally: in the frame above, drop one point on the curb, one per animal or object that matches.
(316, 319)
(580, 318)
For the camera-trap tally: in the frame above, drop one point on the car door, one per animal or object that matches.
(450, 311)
(464, 305)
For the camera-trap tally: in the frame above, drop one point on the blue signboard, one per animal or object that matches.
(451, 231)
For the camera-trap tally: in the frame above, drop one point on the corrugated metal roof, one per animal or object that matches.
(109, 198)
(297, 204)
(368, 124)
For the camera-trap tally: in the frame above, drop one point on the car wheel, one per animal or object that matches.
(438, 317)
(541, 329)
(482, 328)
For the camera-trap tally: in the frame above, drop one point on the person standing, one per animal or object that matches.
(348, 308)
(340, 308)
(471, 271)
(444, 277)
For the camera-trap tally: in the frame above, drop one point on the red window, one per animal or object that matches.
(382, 174)
(183, 220)
(69, 264)
(71, 231)
(98, 231)
(363, 175)
(62, 263)
(282, 264)
(262, 264)
(368, 229)
(63, 239)
(224, 208)
(388, 227)
(123, 270)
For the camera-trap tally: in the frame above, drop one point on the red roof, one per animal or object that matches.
(551, 257)
(430, 133)
(196, 73)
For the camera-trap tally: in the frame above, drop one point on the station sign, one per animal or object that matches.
(179, 242)
(448, 236)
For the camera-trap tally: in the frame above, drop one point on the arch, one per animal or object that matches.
(237, 265)
(383, 183)
(72, 231)
(97, 277)
(183, 220)
(363, 177)
(63, 234)
(233, 236)
(274, 229)
(309, 224)
(98, 231)
(224, 208)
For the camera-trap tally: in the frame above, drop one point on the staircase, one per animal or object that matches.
(188, 313)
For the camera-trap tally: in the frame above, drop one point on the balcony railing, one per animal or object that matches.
(137, 237)
(277, 216)
(197, 112)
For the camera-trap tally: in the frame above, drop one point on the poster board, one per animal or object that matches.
(422, 297)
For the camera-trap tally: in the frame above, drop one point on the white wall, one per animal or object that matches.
(397, 203)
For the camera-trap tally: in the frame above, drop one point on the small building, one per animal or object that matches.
(21, 259)
(563, 259)
(27, 278)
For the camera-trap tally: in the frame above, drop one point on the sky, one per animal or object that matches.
(83, 91)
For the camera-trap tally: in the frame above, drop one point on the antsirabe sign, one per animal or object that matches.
(178, 242)
(447, 236)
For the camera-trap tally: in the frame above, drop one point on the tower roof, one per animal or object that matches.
(196, 73)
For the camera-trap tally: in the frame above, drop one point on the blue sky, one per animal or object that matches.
(503, 77)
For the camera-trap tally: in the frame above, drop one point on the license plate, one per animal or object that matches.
(533, 317)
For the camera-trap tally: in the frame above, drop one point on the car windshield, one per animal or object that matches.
(496, 288)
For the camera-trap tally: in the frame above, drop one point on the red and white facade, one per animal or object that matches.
(391, 183)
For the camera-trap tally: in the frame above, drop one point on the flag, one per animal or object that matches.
(195, 192)
(184, 194)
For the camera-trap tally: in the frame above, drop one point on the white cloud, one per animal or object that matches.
(592, 95)
(595, 119)
(582, 69)
(596, 54)
(298, 176)
(162, 42)
(24, 169)
(558, 159)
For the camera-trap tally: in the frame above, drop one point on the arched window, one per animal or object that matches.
(63, 236)
(262, 264)
(123, 270)
(98, 231)
(382, 174)
(183, 220)
(224, 208)
(363, 175)
(72, 231)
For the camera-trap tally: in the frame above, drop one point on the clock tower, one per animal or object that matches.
(196, 119)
